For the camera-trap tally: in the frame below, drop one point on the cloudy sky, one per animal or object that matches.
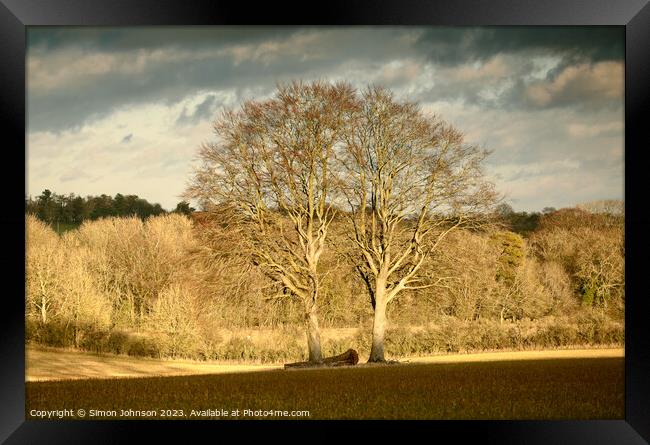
(123, 110)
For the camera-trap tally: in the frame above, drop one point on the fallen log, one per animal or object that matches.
(349, 357)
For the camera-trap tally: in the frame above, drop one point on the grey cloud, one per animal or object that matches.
(167, 81)
(96, 96)
(204, 110)
(128, 38)
(461, 45)
(590, 90)
(587, 90)
(454, 47)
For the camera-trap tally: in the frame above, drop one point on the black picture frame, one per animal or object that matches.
(634, 15)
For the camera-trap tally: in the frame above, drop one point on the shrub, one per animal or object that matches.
(83, 303)
(595, 328)
(92, 340)
(403, 342)
(133, 262)
(174, 317)
(590, 249)
(52, 333)
(141, 346)
(600, 270)
(44, 265)
(240, 349)
(336, 346)
(117, 342)
(470, 262)
(286, 349)
(554, 333)
(511, 246)
(557, 283)
(363, 340)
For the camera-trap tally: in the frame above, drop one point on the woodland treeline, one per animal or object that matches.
(326, 206)
(173, 286)
(71, 210)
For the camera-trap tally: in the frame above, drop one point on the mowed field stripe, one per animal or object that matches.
(45, 364)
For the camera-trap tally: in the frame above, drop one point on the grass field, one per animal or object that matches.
(565, 388)
(45, 363)
(60, 364)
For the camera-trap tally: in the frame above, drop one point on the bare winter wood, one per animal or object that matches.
(273, 163)
(410, 179)
(348, 358)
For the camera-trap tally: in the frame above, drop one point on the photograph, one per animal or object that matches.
(233, 222)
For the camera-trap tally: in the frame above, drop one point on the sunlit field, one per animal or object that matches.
(57, 364)
(569, 388)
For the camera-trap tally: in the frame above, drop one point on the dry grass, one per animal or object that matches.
(521, 355)
(44, 364)
(55, 364)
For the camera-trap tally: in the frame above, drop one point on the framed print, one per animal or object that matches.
(409, 213)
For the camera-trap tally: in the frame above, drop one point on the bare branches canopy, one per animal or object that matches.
(409, 180)
(273, 162)
(404, 179)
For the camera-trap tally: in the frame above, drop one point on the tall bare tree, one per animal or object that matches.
(409, 180)
(272, 162)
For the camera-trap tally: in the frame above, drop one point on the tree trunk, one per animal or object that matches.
(378, 329)
(313, 335)
(43, 311)
(349, 357)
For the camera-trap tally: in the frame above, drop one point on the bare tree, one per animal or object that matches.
(43, 266)
(272, 162)
(409, 180)
(607, 206)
